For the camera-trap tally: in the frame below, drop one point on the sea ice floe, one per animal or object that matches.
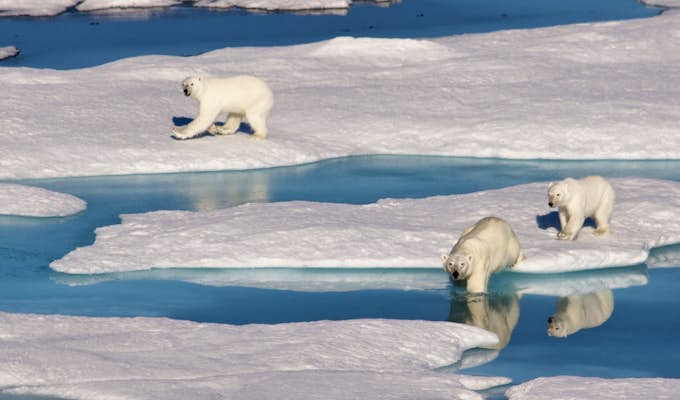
(32, 201)
(570, 387)
(552, 93)
(148, 358)
(44, 8)
(34, 8)
(8, 52)
(392, 233)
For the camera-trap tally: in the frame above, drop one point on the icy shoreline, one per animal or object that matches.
(391, 233)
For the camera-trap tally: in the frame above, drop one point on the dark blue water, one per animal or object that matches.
(636, 341)
(75, 40)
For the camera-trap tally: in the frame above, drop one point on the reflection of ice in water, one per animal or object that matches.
(581, 311)
(239, 189)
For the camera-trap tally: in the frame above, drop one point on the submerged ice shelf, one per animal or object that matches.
(571, 387)
(392, 233)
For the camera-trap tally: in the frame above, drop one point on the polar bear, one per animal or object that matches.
(482, 249)
(578, 199)
(580, 312)
(241, 97)
(497, 313)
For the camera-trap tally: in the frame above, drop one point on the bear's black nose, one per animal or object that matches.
(550, 204)
(455, 274)
(550, 320)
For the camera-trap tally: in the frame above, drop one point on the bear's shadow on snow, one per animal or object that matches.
(552, 220)
(181, 121)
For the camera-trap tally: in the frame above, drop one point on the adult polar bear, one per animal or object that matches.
(483, 249)
(578, 199)
(240, 97)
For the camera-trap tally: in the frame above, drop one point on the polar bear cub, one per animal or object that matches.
(578, 312)
(578, 199)
(483, 249)
(240, 97)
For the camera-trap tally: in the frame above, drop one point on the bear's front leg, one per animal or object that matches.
(477, 282)
(200, 124)
(180, 133)
(571, 229)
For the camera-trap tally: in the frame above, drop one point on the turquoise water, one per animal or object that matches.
(635, 341)
(74, 40)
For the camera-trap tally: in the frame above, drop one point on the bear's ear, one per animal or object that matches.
(444, 257)
(469, 257)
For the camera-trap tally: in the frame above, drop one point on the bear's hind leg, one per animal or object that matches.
(601, 223)
(258, 123)
(231, 125)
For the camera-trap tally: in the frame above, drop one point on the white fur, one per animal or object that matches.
(240, 98)
(483, 249)
(580, 312)
(578, 199)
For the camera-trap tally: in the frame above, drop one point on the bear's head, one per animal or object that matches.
(557, 327)
(192, 86)
(557, 194)
(459, 265)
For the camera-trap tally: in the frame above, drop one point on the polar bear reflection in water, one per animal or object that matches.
(497, 313)
(582, 311)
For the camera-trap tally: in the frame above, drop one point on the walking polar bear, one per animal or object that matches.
(578, 199)
(578, 312)
(483, 249)
(240, 98)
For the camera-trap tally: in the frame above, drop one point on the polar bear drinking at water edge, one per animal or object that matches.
(482, 249)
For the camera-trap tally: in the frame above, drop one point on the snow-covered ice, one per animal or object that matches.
(282, 5)
(44, 8)
(8, 52)
(96, 5)
(570, 387)
(595, 90)
(148, 358)
(391, 233)
(32, 201)
(35, 8)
